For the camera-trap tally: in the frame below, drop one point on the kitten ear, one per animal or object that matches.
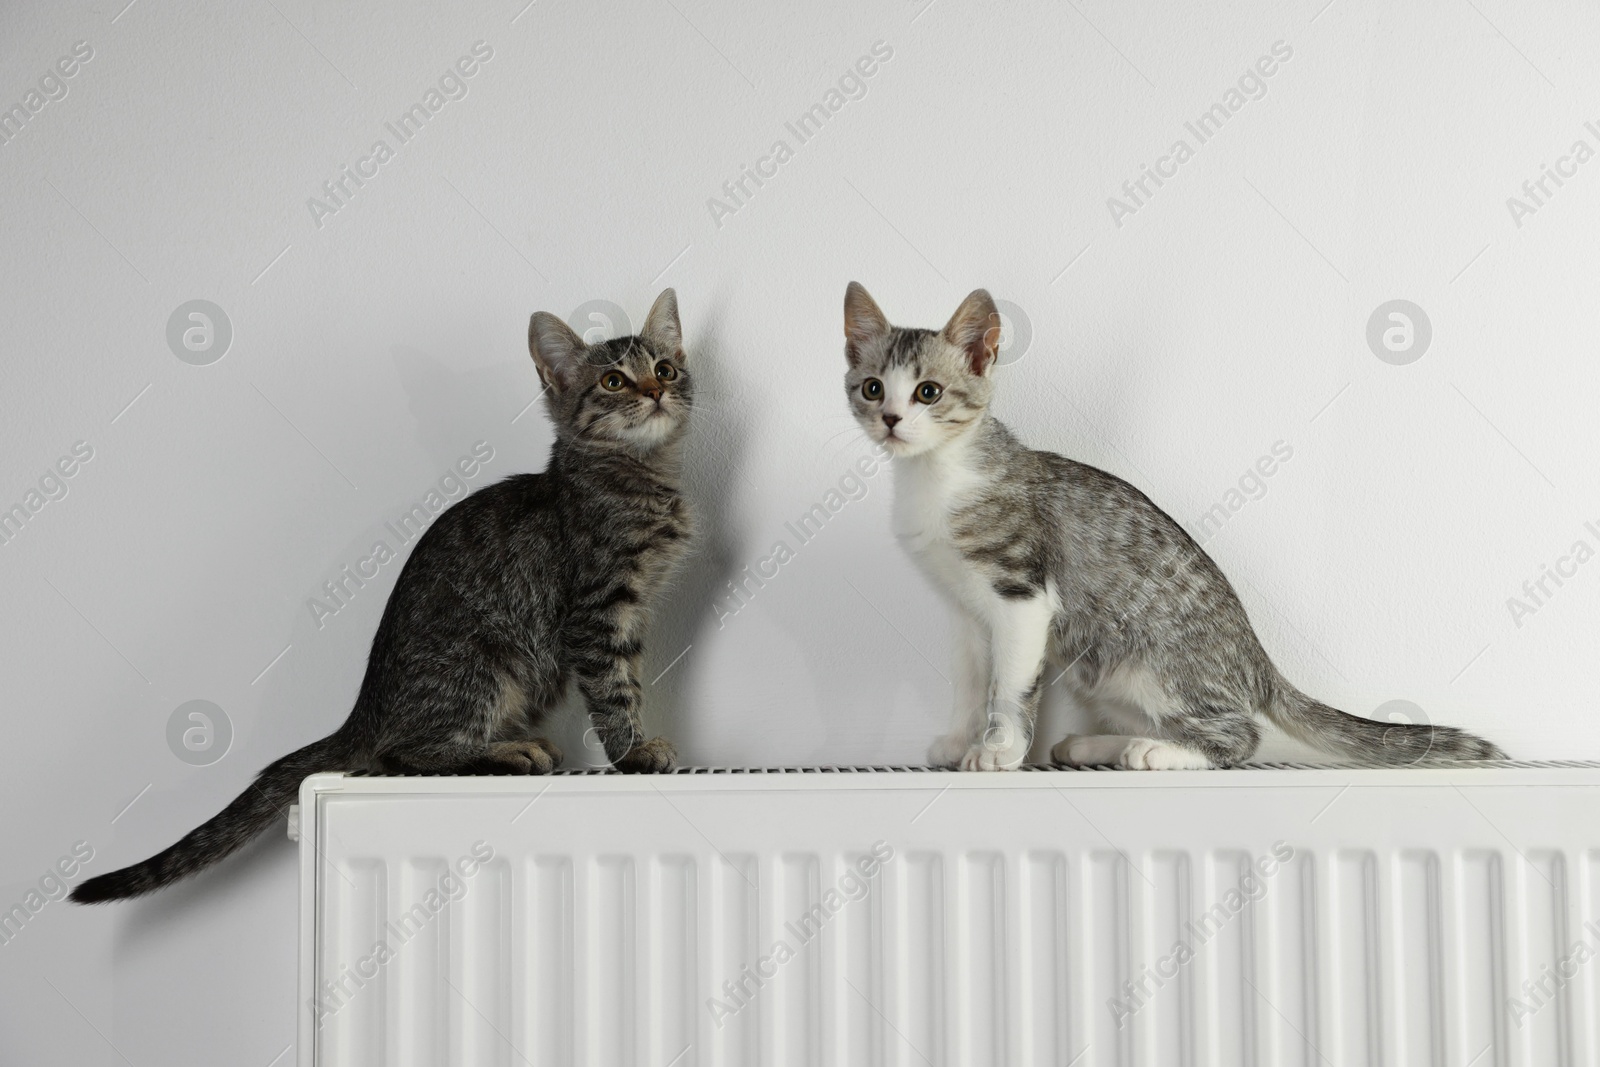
(557, 351)
(975, 328)
(661, 327)
(863, 322)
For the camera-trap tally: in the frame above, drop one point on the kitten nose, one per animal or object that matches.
(653, 392)
(890, 420)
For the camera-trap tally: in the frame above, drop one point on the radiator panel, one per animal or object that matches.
(1252, 917)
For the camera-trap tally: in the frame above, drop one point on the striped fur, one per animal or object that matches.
(1045, 559)
(519, 591)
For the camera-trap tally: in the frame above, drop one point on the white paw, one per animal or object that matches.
(947, 751)
(1130, 753)
(985, 758)
(1145, 754)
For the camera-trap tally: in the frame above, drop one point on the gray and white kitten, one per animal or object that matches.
(1047, 559)
(517, 592)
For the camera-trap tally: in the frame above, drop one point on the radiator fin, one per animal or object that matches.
(1043, 990)
(673, 941)
(803, 920)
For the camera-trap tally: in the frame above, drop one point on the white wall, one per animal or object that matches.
(1229, 312)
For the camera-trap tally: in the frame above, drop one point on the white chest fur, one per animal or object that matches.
(929, 490)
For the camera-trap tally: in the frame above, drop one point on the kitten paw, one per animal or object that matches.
(1146, 754)
(1129, 753)
(987, 758)
(946, 751)
(550, 747)
(655, 756)
(524, 757)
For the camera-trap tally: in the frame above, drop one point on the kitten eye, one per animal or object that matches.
(666, 371)
(928, 392)
(612, 381)
(872, 389)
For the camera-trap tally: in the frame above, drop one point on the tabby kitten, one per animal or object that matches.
(1043, 557)
(520, 589)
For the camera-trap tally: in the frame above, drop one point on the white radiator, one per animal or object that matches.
(1269, 917)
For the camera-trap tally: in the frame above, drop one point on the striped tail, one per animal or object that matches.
(1386, 744)
(264, 801)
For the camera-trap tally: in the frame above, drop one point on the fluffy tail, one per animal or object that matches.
(1386, 744)
(265, 800)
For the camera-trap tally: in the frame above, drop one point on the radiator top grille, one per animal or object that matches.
(1046, 768)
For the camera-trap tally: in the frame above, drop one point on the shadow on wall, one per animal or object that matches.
(147, 923)
(714, 467)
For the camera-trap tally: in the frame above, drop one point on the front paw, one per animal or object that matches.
(655, 756)
(946, 751)
(550, 749)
